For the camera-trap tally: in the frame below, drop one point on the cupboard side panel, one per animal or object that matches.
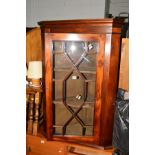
(110, 85)
(99, 83)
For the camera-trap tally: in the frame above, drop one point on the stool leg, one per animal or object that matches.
(36, 117)
(27, 102)
(30, 115)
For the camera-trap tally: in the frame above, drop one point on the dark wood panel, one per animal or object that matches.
(107, 33)
(82, 26)
(72, 24)
(110, 85)
(48, 86)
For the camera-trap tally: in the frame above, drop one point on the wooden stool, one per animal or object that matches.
(33, 101)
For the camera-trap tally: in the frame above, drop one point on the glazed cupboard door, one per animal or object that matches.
(73, 86)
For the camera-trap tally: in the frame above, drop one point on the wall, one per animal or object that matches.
(37, 10)
(117, 6)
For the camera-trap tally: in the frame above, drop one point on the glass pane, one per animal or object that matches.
(58, 46)
(74, 83)
(74, 50)
(61, 116)
(91, 92)
(74, 128)
(60, 62)
(74, 89)
(57, 91)
(88, 63)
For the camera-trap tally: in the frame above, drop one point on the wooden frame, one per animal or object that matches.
(48, 81)
(107, 32)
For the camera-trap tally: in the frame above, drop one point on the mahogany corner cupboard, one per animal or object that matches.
(80, 65)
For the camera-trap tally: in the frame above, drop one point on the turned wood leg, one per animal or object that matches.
(30, 115)
(36, 117)
(27, 102)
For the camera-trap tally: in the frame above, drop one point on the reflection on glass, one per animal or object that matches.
(74, 76)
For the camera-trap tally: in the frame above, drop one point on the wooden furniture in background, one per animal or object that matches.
(68, 70)
(124, 66)
(33, 45)
(40, 146)
(33, 102)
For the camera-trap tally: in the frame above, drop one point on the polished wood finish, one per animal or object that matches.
(36, 115)
(111, 67)
(33, 101)
(27, 103)
(33, 45)
(82, 26)
(48, 87)
(36, 145)
(30, 114)
(124, 66)
(107, 33)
